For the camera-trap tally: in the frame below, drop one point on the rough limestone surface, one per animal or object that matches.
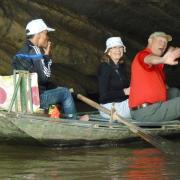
(82, 27)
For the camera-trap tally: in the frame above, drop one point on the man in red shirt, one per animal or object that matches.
(150, 99)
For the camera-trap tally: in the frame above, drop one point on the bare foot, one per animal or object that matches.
(84, 118)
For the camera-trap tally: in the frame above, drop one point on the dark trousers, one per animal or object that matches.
(159, 112)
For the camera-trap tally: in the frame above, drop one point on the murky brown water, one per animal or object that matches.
(137, 162)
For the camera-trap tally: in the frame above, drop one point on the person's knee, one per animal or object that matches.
(66, 90)
(66, 93)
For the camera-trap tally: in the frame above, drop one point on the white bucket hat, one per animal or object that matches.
(114, 41)
(37, 26)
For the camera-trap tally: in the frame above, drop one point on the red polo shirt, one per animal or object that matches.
(147, 81)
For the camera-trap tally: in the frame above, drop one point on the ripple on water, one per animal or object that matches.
(128, 162)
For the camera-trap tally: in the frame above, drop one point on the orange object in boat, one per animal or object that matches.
(54, 112)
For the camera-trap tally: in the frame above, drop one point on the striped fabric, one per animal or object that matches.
(38, 56)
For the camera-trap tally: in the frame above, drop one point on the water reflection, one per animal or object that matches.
(146, 163)
(19, 162)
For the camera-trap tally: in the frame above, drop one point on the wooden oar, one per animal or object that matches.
(157, 141)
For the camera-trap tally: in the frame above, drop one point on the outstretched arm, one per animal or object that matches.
(170, 57)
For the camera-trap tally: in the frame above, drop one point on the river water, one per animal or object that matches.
(129, 161)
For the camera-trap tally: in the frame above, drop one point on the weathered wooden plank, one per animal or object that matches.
(63, 132)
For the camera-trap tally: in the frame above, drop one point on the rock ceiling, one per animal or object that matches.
(82, 27)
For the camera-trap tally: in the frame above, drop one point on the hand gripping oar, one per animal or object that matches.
(156, 141)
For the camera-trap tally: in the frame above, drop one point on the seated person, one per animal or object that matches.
(150, 99)
(112, 78)
(35, 56)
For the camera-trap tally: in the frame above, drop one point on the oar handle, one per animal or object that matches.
(88, 101)
(93, 104)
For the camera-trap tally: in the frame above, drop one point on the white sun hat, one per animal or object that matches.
(114, 41)
(37, 26)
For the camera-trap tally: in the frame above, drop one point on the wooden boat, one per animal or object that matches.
(27, 127)
(36, 128)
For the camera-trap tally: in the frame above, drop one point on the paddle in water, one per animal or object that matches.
(157, 141)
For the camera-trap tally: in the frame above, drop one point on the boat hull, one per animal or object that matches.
(33, 129)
